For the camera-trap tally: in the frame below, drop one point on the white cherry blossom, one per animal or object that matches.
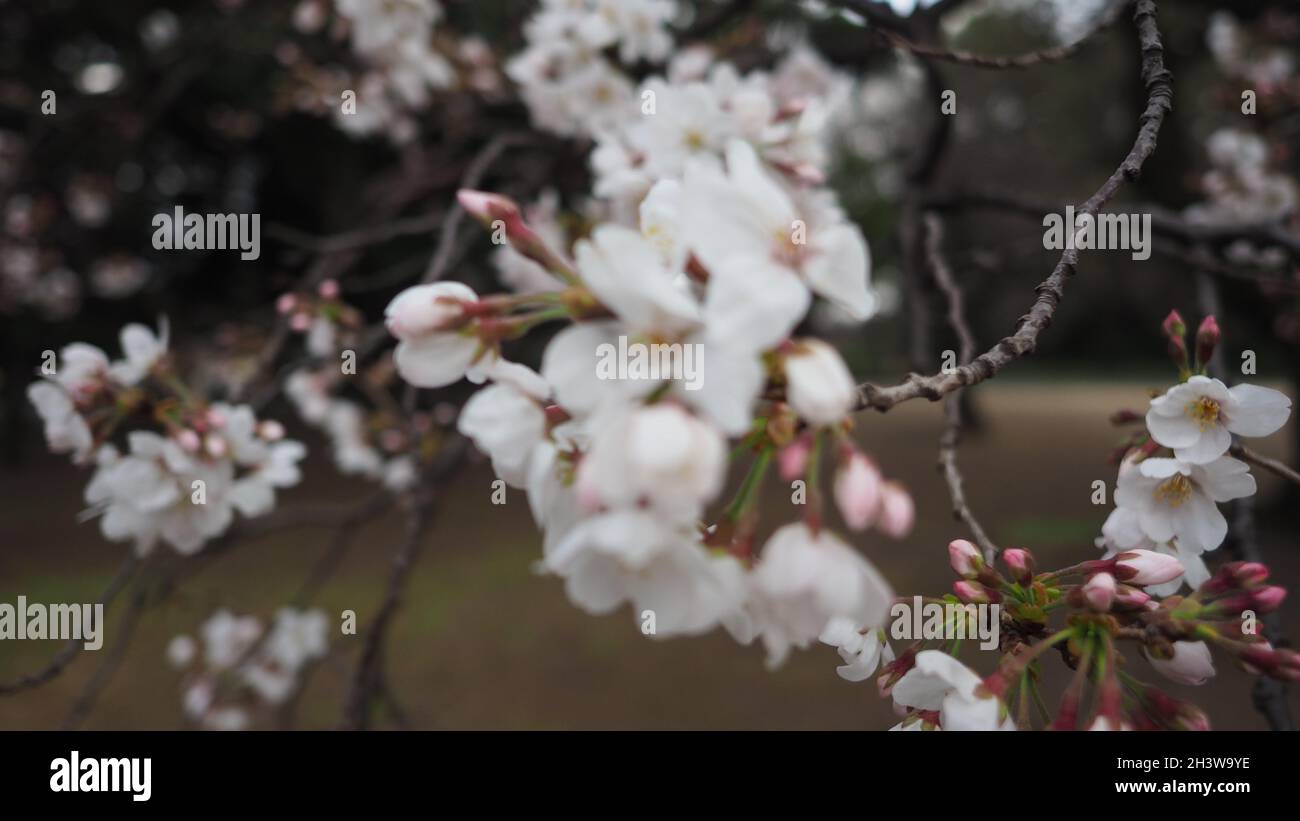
(1175, 499)
(1198, 417)
(803, 580)
(938, 682)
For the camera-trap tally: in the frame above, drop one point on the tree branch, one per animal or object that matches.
(1158, 82)
(1021, 61)
(74, 646)
(951, 436)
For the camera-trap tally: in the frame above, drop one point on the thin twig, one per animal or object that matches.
(474, 173)
(1272, 465)
(104, 673)
(1034, 58)
(368, 678)
(74, 646)
(1024, 340)
(951, 436)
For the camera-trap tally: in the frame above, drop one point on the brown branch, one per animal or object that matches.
(340, 542)
(368, 675)
(368, 679)
(1269, 694)
(71, 650)
(443, 255)
(1034, 58)
(1157, 80)
(359, 238)
(1163, 222)
(104, 673)
(951, 436)
(1272, 465)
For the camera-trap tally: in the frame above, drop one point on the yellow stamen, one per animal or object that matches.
(1205, 411)
(1174, 491)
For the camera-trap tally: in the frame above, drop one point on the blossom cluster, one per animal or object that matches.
(1113, 602)
(401, 64)
(236, 666)
(188, 465)
(710, 228)
(564, 76)
(1178, 470)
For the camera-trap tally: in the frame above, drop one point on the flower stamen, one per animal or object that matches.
(1174, 491)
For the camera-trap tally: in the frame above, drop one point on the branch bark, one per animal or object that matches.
(1159, 88)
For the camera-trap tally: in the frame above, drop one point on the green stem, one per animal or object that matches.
(747, 493)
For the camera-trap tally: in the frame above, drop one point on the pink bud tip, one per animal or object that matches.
(1099, 592)
(189, 440)
(329, 289)
(1143, 567)
(1020, 562)
(286, 303)
(793, 459)
(965, 558)
(271, 430)
(1131, 597)
(300, 321)
(1268, 599)
(971, 592)
(1174, 325)
(486, 206)
(215, 446)
(897, 511)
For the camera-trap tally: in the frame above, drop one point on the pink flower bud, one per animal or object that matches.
(1262, 599)
(425, 309)
(216, 418)
(1131, 597)
(189, 440)
(1021, 564)
(329, 289)
(215, 446)
(286, 303)
(300, 321)
(486, 207)
(975, 593)
(1207, 338)
(857, 490)
(1176, 331)
(965, 558)
(897, 512)
(1234, 575)
(1174, 326)
(1143, 567)
(792, 460)
(1099, 592)
(1190, 664)
(271, 430)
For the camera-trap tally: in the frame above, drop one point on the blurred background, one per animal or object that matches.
(216, 106)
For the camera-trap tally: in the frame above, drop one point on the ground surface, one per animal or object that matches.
(483, 642)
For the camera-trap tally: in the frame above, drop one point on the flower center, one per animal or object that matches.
(1174, 490)
(1205, 411)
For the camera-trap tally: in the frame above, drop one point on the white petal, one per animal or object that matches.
(840, 267)
(1257, 411)
(436, 360)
